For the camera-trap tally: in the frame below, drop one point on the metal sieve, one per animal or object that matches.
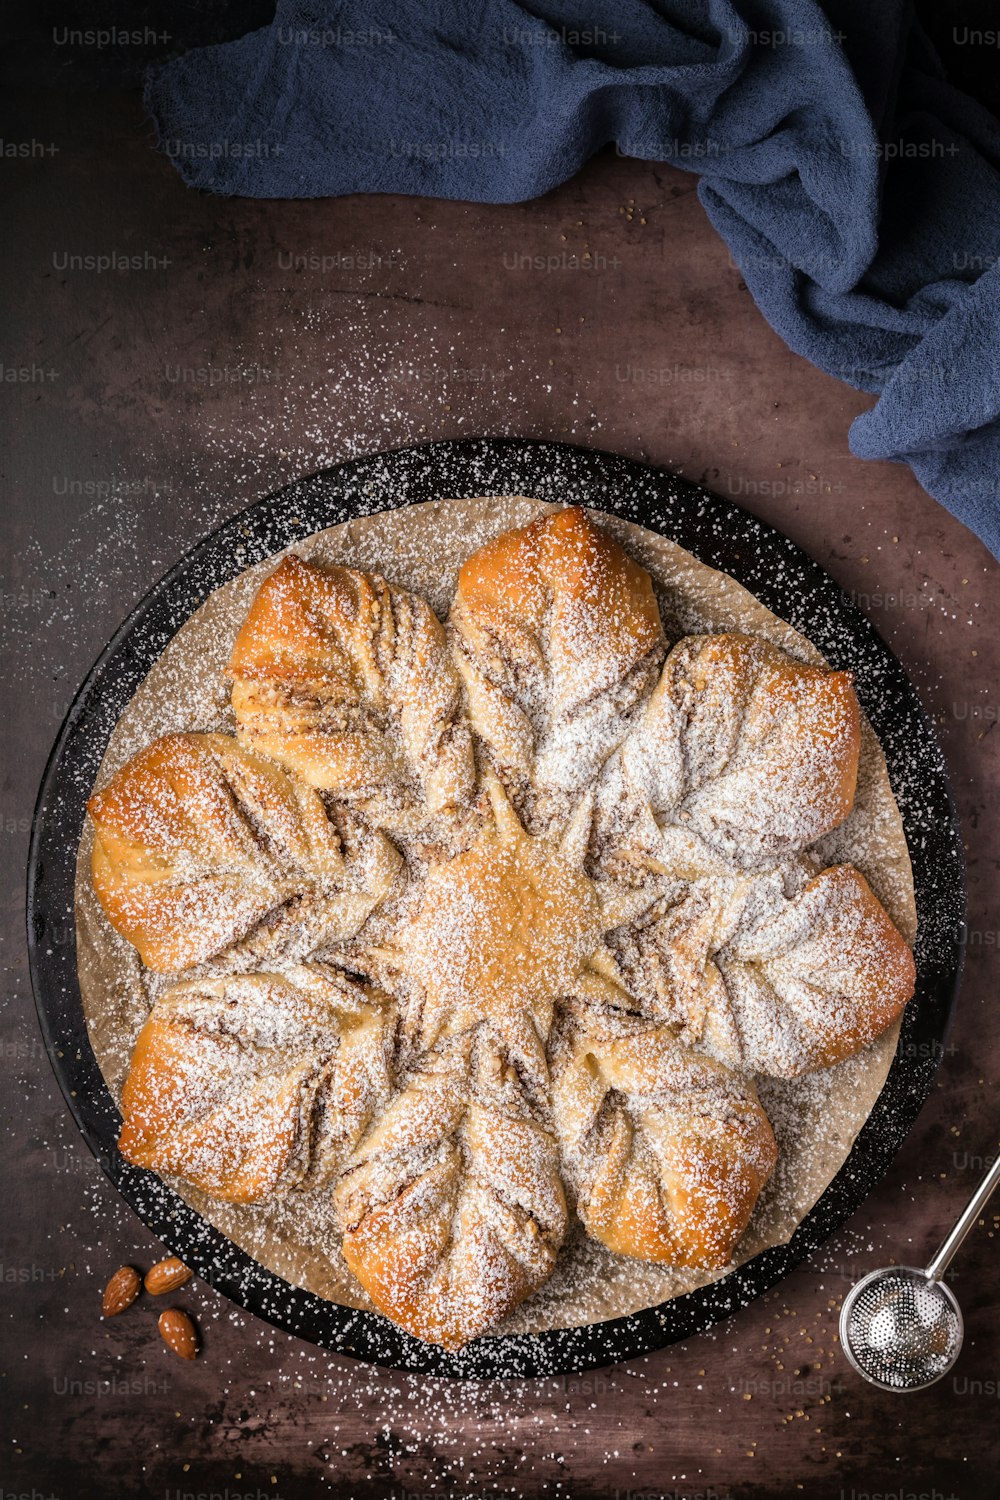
(902, 1328)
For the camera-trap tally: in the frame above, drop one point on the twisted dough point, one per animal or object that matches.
(817, 981)
(770, 983)
(201, 846)
(742, 757)
(347, 681)
(252, 1085)
(667, 1150)
(453, 1209)
(558, 638)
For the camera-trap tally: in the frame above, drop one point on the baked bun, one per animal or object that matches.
(558, 638)
(347, 681)
(254, 1084)
(742, 757)
(667, 1151)
(771, 982)
(201, 846)
(453, 1207)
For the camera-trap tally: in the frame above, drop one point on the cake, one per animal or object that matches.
(483, 926)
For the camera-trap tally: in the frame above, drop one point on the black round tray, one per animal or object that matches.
(722, 536)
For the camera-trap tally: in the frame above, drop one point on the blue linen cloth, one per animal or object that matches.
(858, 192)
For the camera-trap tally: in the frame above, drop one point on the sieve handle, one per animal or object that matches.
(976, 1204)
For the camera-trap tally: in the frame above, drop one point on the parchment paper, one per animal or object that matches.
(815, 1118)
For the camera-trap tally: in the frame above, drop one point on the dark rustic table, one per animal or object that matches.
(243, 344)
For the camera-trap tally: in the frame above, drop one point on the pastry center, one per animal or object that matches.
(503, 928)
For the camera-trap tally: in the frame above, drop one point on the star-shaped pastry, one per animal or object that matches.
(486, 926)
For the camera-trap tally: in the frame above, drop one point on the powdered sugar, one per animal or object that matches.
(354, 545)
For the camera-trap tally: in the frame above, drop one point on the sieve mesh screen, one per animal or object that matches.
(902, 1330)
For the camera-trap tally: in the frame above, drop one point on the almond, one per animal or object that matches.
(177, 1332)
(166, 1276)
(120, 1292)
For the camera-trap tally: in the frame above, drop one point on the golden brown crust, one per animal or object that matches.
(830, 969)
(242, 1159)
(253, 1084)
(668, 1151)
(347, 681)
(198, 842)
(558, 637)
(769, 981)
(453, 1209)
(742, 756)
(499, 933)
